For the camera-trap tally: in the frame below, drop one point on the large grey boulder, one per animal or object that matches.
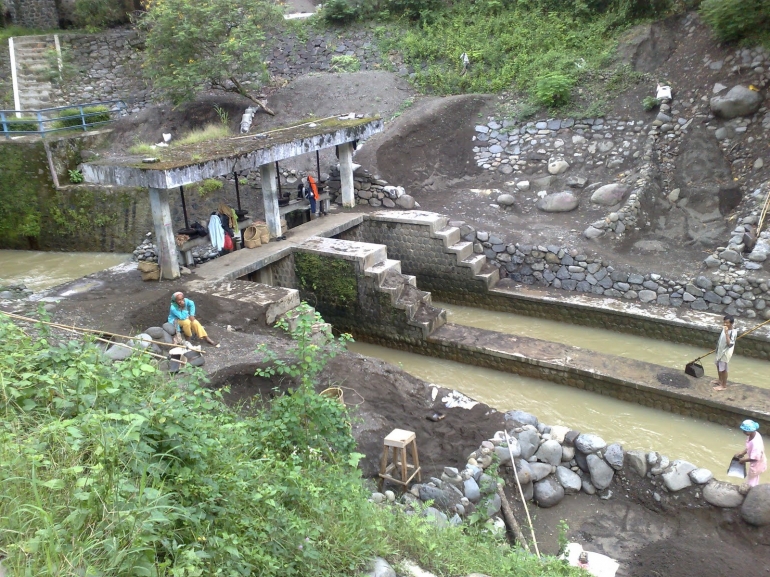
(169, 328)
(677, 477)
(548, 492)
(609, 194)
(438, 518)
(739, 101)
(471, 490)
(559, 202)
(118, 352)
(520, 418)
(614, 456)
(140, 341)
(756, 507)
(701, 476)
(524, 471)
(529, 440)
(406, 202)
(156, 333)
(637, 462)
(569, 480)
(540, 470)
(439, 497)
(721, 494)
(587, 443)
(492, 504)
(505, 200)
(549, 452)
(601, 472)
(380, 568)
(504, 455)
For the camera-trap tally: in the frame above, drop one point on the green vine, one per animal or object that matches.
(332, 280)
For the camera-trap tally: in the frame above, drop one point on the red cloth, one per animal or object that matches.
(313, 187)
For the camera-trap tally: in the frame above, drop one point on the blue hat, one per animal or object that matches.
(749, 426)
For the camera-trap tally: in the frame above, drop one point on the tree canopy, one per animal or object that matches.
(194, 45)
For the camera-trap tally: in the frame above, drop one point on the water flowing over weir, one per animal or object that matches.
(672, 355)
(704, 444)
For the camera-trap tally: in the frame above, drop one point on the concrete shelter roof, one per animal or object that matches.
(182, 165)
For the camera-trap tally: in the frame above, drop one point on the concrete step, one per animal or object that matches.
(257, 301)
(450, 234)
(380, 270)
(491, 277)
(462, 249)
(434, 221)
(365, 254)
(475, 262)
(33, 40)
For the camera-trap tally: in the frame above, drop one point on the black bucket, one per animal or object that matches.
(694, 369)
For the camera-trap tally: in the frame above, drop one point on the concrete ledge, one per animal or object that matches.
(625, 379)
(433, 220)
(256, 299)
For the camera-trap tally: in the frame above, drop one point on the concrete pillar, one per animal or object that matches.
(270, 198)
(346, 174)
(164, 233)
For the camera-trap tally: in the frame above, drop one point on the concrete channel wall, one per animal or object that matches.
(359, 288)
(417, 242)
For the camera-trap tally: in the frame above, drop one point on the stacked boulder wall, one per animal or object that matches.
(429, 143)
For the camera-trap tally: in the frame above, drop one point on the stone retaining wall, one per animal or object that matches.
(6, 81)
(421, 255)
(40, 14)
(108, 65)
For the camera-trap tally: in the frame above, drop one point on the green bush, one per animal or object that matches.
(339, 11)
(24, 124)
(97, 14)
(650, 103)
(70, 118)
(733, 19)
(344, 63)
(553, 89)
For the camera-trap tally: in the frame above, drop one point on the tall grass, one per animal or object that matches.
(119, 469)
(209, 132)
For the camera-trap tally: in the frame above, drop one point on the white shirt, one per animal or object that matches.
(724, 353)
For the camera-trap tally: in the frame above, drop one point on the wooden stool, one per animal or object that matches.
(398, 441)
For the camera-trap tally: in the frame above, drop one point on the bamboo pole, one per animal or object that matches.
(521, 492)
(511, 519)
(91, 331)
(80, 331)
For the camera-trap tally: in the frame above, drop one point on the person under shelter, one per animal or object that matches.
(182, 315)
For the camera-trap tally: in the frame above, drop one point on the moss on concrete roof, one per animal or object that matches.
(234, 147)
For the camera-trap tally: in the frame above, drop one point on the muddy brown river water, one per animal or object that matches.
(636, 427)
(41, 270)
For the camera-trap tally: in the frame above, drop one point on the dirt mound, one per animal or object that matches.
(429, 143)
(150, 124)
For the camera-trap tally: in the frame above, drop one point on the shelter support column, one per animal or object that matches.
(164, 233)
(270, 197)
(346, 174)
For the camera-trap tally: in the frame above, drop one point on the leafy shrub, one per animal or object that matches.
(70, 118)
(650, 103)
(414, 9)
(339, 11)
(24, 124)
(344, 63)
(553, 89)
(733, 20)
(207, 187)
(97, 14)
(76, 177)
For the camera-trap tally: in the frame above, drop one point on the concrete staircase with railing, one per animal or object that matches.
(36, 60)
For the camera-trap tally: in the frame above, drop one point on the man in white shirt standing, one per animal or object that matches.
(725, 348)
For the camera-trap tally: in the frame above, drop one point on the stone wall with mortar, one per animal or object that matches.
(108, 65)
(103, 66)
(36, 14)
(438, 271)
(421, 255)
(35, 214)
(6, 82)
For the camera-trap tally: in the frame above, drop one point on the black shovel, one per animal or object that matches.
(695, 369)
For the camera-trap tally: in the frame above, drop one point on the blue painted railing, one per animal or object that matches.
(52, 120)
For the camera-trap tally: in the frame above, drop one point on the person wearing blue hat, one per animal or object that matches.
(754, 453)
